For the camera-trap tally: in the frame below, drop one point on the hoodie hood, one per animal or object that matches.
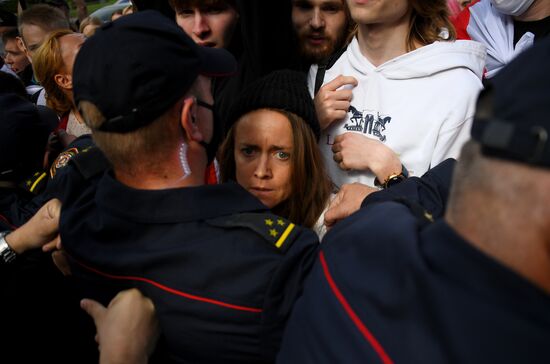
(425, 61)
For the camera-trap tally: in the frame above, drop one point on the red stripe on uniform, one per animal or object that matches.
(356, 320)
(171, 290)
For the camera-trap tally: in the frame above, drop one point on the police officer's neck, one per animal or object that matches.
(510, 235)
(161, 182)
(165, 174)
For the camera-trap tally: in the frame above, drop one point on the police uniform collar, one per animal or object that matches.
(448, 254)
(174, 205)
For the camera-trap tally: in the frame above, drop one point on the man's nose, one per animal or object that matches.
(200, 25)
(317, 20)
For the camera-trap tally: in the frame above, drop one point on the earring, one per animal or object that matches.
(183, 160)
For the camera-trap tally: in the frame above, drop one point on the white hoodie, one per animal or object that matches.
(419, 104)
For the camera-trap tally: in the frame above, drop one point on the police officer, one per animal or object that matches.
(24, 130)
(221, 270)
(472, 287)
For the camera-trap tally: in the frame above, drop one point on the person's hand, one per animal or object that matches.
(41, 231)
(346, 202)
(332, 104)
(60, 259)
(64, 138)
(353, 151)
(127, 330)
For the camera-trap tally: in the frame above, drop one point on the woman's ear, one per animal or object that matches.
(64, 81)
(188, 120)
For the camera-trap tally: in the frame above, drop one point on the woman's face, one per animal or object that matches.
(263, 149)
(210, 26)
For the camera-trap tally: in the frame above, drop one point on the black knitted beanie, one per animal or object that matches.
(285, 90)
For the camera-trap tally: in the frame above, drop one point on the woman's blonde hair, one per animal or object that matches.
(47, 62)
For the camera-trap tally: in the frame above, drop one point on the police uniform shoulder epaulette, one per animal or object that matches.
(91, 162)
(36, 183)
(278, 231)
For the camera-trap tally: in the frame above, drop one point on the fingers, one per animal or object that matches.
(339, 159)
(45, 223)
(347, 201)
(332, 213)
(332, 102)
(339, 82)
(61, 262)
(52, 245)
(93, 308)
(338, 152)
(343, 95)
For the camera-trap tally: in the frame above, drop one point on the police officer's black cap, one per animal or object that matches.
(513, 113)
(24, 131)
(135, 68)
(285, 90)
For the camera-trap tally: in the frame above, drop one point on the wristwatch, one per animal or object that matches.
(393, 178)
(6, 253)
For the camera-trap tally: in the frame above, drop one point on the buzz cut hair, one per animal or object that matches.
(45, 17)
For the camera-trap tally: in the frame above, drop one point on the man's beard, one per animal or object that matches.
(315, 55)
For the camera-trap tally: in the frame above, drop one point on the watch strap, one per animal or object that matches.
(393, 178)
(6, 253)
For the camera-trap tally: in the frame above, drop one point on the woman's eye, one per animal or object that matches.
(247, 151)
(282, 155)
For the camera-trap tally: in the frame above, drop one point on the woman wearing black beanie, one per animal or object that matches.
(271, 148)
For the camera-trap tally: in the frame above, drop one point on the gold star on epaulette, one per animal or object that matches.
(273, 233)
(268, 222)
(280, 222)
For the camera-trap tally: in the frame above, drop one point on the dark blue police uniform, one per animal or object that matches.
(387, 288)
(222, 271)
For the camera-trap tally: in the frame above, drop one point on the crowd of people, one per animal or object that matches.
(299, 181)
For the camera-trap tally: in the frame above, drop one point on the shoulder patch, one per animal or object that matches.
(63, 159)
(278, 231)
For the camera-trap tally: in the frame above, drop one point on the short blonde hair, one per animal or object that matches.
(136, 150)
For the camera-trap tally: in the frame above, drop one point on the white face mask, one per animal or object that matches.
(512, 7)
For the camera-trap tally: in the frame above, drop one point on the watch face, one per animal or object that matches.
(395, 180)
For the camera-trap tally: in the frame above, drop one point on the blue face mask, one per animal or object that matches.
(512, 7)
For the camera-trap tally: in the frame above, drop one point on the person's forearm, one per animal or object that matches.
(16, 240)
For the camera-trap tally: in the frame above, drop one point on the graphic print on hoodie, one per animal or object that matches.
(419, 104)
